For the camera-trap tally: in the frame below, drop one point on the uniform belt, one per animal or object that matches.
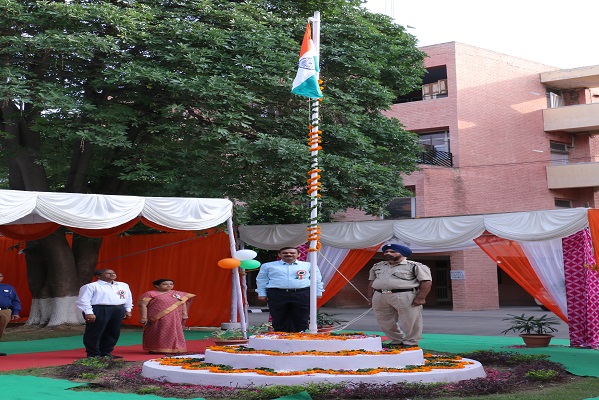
(4, 308)
(395, 290)
(290, 290)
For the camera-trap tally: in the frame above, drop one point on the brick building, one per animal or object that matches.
(499, 134)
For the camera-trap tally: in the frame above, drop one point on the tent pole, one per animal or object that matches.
(236, 300)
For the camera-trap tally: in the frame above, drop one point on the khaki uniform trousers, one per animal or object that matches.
(401, 322)
(4, 319)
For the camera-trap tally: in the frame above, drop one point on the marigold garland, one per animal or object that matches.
(314, 185)
(431, 363)
(249, 350)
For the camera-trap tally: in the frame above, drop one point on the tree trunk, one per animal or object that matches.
(55, 270)
(55, 274)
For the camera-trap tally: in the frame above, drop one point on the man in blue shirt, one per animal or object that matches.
(286, 285)
(10, 305)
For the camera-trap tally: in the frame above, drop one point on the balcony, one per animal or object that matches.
(573, 176)
(577, 118)
(436, 157)
(576, 78)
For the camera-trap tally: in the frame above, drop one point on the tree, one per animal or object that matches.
(192, 98)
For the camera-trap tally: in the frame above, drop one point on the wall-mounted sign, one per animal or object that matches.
(457, 275)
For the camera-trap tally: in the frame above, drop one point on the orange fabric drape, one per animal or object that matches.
(14, 269)
(28, 231)
(351, 265)
(510, 258)
(188, 259)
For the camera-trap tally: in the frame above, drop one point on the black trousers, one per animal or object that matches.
(289, 309)
(101, 336)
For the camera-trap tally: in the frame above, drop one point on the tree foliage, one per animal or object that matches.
(185, 98)
(192, 99)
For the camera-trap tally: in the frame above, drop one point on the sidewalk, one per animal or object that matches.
(440, 320)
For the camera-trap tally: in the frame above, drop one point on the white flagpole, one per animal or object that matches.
(313, 187)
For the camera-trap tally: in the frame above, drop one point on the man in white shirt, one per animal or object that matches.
(104, 303)
(286, 285)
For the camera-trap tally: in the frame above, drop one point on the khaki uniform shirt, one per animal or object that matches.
(405, 275)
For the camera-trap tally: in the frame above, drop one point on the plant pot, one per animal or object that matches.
(536, 340)
(229, 342)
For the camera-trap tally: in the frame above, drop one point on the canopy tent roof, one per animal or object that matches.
(100, 212)
(425, 235)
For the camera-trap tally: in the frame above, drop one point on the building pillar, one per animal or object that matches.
(473, 281)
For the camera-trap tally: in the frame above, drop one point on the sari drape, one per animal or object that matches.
(164, 331)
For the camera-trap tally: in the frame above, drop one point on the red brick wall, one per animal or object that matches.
(494, 116)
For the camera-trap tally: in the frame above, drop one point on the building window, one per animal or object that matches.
(435, 140)
(402, 207)
(434, 85)
(434, 90)
(435, 148)
(558, 153)
(562, 203)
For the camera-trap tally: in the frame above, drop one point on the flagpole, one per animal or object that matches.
(313, 229)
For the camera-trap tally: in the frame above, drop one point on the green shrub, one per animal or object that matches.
(542, 375)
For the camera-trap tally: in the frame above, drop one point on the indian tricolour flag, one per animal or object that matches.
(306, 80)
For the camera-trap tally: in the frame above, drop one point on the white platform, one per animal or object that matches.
(272, 342)
(288, 361)
(153, 369)
(305, 362)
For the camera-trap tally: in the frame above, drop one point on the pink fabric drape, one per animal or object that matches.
(582, 290)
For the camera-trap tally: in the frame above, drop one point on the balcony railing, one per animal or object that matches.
(436, 157)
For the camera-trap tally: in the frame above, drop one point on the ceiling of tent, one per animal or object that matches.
(425, 235)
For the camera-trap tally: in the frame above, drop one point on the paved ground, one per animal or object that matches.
(440, 320)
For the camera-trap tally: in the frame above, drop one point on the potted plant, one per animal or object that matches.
(535, 331)
(326, 322)
(234, 336)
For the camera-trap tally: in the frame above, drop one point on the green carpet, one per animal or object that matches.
(76, 342)
(16, 387)
(577, 361)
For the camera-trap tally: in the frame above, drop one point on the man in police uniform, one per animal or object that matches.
(398, 289)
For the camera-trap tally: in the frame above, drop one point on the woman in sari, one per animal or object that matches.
(163, 312)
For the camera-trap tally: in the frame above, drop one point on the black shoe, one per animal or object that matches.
(2, 354)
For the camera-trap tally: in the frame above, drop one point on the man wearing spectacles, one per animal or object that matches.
(104, 304)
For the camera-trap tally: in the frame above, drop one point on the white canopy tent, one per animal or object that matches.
(537, 232)
(425, 235)
(95, 211)
(95, 214)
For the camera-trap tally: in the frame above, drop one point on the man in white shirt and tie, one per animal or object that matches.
(104, 303)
